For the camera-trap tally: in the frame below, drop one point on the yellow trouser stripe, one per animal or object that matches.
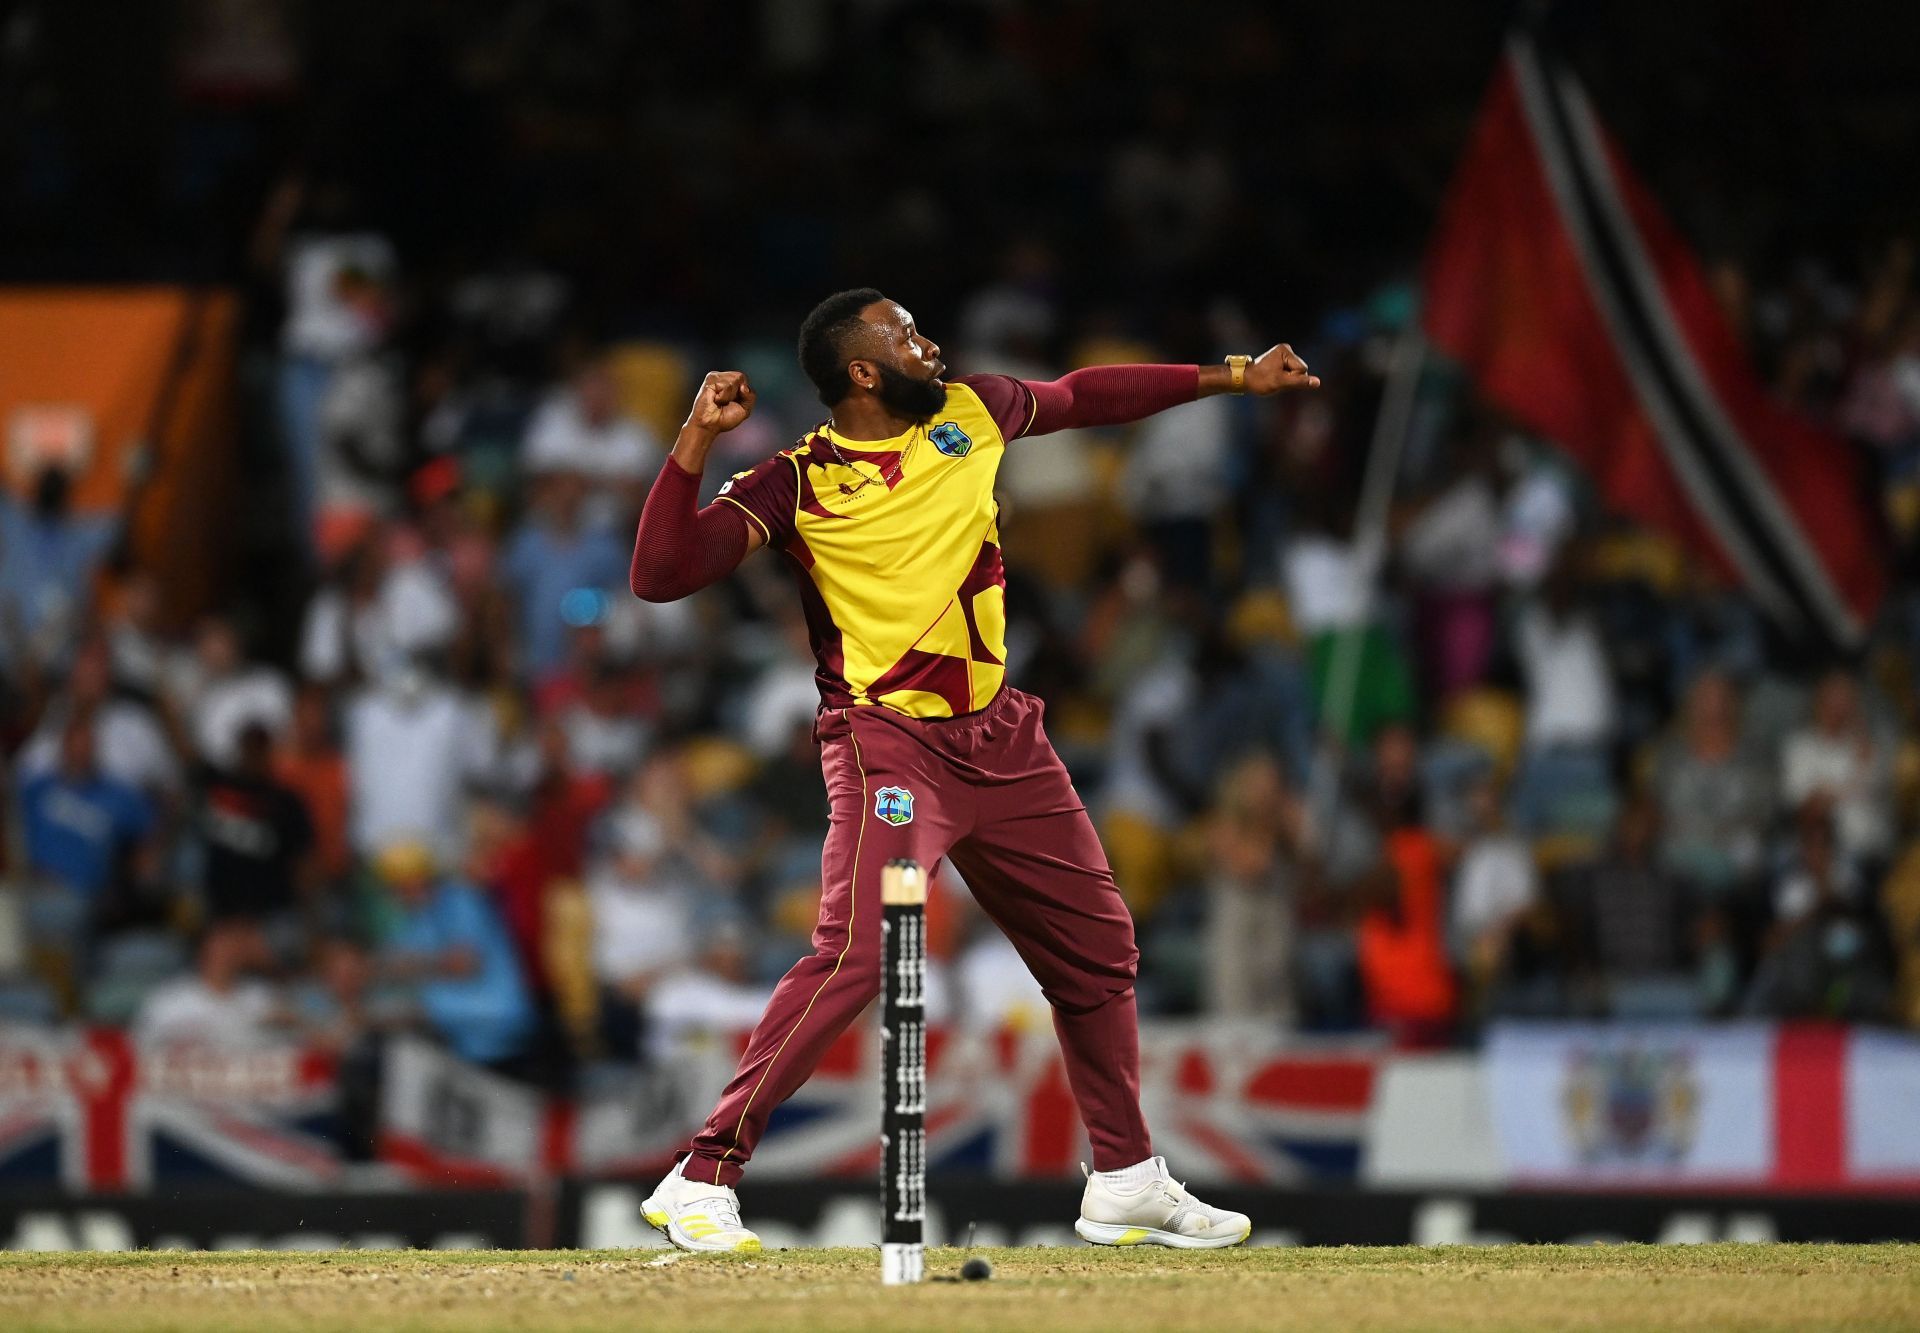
(853, 903)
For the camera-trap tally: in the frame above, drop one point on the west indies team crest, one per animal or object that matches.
(950, 440)
(894, 804)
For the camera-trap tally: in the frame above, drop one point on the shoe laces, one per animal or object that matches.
(723, 1208)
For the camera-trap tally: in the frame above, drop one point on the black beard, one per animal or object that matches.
(904, 396)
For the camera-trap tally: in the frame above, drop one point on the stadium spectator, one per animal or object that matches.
(1404, 969)
(657, 873)
(606, 724)
(1255, 850)
(223, 1003)
(376, 615)
(1716, 798)
(783, 695)
(1633, 934)
(1451, 551)
(84, 829)
(257, 837)
(140, 649)
(48, 557)
(131, 741)
(219, 692)
(1178, 477)
(312, 234)
(581, 430)
(706, 997)
(1842, 757)
(411, 744)
(447, 947)
(560, 571)
(535, 850)
(333, 1004)
(1572, 715)
(312, 766)
(1826, 954)
(991, 989)
(1495, 887)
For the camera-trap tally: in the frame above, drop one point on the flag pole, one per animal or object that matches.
(1390, 430)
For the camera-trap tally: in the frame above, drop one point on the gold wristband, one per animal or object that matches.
(1237, 368)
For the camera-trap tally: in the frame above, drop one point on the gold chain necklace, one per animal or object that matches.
(880, 473)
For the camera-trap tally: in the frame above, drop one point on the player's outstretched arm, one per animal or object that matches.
(1117, 395)
(679, 550)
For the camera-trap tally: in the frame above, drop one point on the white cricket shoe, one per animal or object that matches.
(702, 1218)
(1158, 1212)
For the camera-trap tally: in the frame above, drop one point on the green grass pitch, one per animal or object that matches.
(1516, 1287)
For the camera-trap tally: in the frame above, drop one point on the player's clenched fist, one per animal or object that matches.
(1278, 369)
(724, 401)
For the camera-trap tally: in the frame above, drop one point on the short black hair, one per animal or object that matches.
(823, 340)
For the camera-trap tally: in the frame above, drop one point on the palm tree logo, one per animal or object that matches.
(894, 804)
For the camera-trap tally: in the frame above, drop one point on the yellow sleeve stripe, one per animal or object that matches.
(750, 514)
(1033, 408)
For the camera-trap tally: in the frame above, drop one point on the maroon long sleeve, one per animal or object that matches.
(1110, 395)
(679, 550)
(1096, 396)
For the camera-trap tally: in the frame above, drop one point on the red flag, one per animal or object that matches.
(1578, 309)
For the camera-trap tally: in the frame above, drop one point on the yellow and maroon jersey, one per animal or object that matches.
(896, 547)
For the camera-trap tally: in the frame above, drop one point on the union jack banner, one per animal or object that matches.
(1248, 1107)
(91, 1110)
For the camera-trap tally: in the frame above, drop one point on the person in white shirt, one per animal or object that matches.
(1572, 716)
(219, 693)
(1176, 481)
(645, 885)
(1537, 516)
(1495, 884)
(1563, 658)
(995, 988)
(129, 739)
(784, 695)
(377, 617)
(219, 1004)
(580, 429)
(411, 744)
(329, 264)
(1325, 584)
(706, 997)
(1839, 756)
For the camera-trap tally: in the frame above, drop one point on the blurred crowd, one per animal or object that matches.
(432, 767)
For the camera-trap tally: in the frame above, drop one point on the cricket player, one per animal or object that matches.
(885, 514)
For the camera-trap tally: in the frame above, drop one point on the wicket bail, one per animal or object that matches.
(903, 1064)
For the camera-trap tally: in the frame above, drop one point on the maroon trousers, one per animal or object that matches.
(987, 792)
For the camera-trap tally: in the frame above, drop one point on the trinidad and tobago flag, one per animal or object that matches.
(1578, 310)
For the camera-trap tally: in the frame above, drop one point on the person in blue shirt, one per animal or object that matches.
(560, 571)
(48, 557)
(83, 828)
(447, 942)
